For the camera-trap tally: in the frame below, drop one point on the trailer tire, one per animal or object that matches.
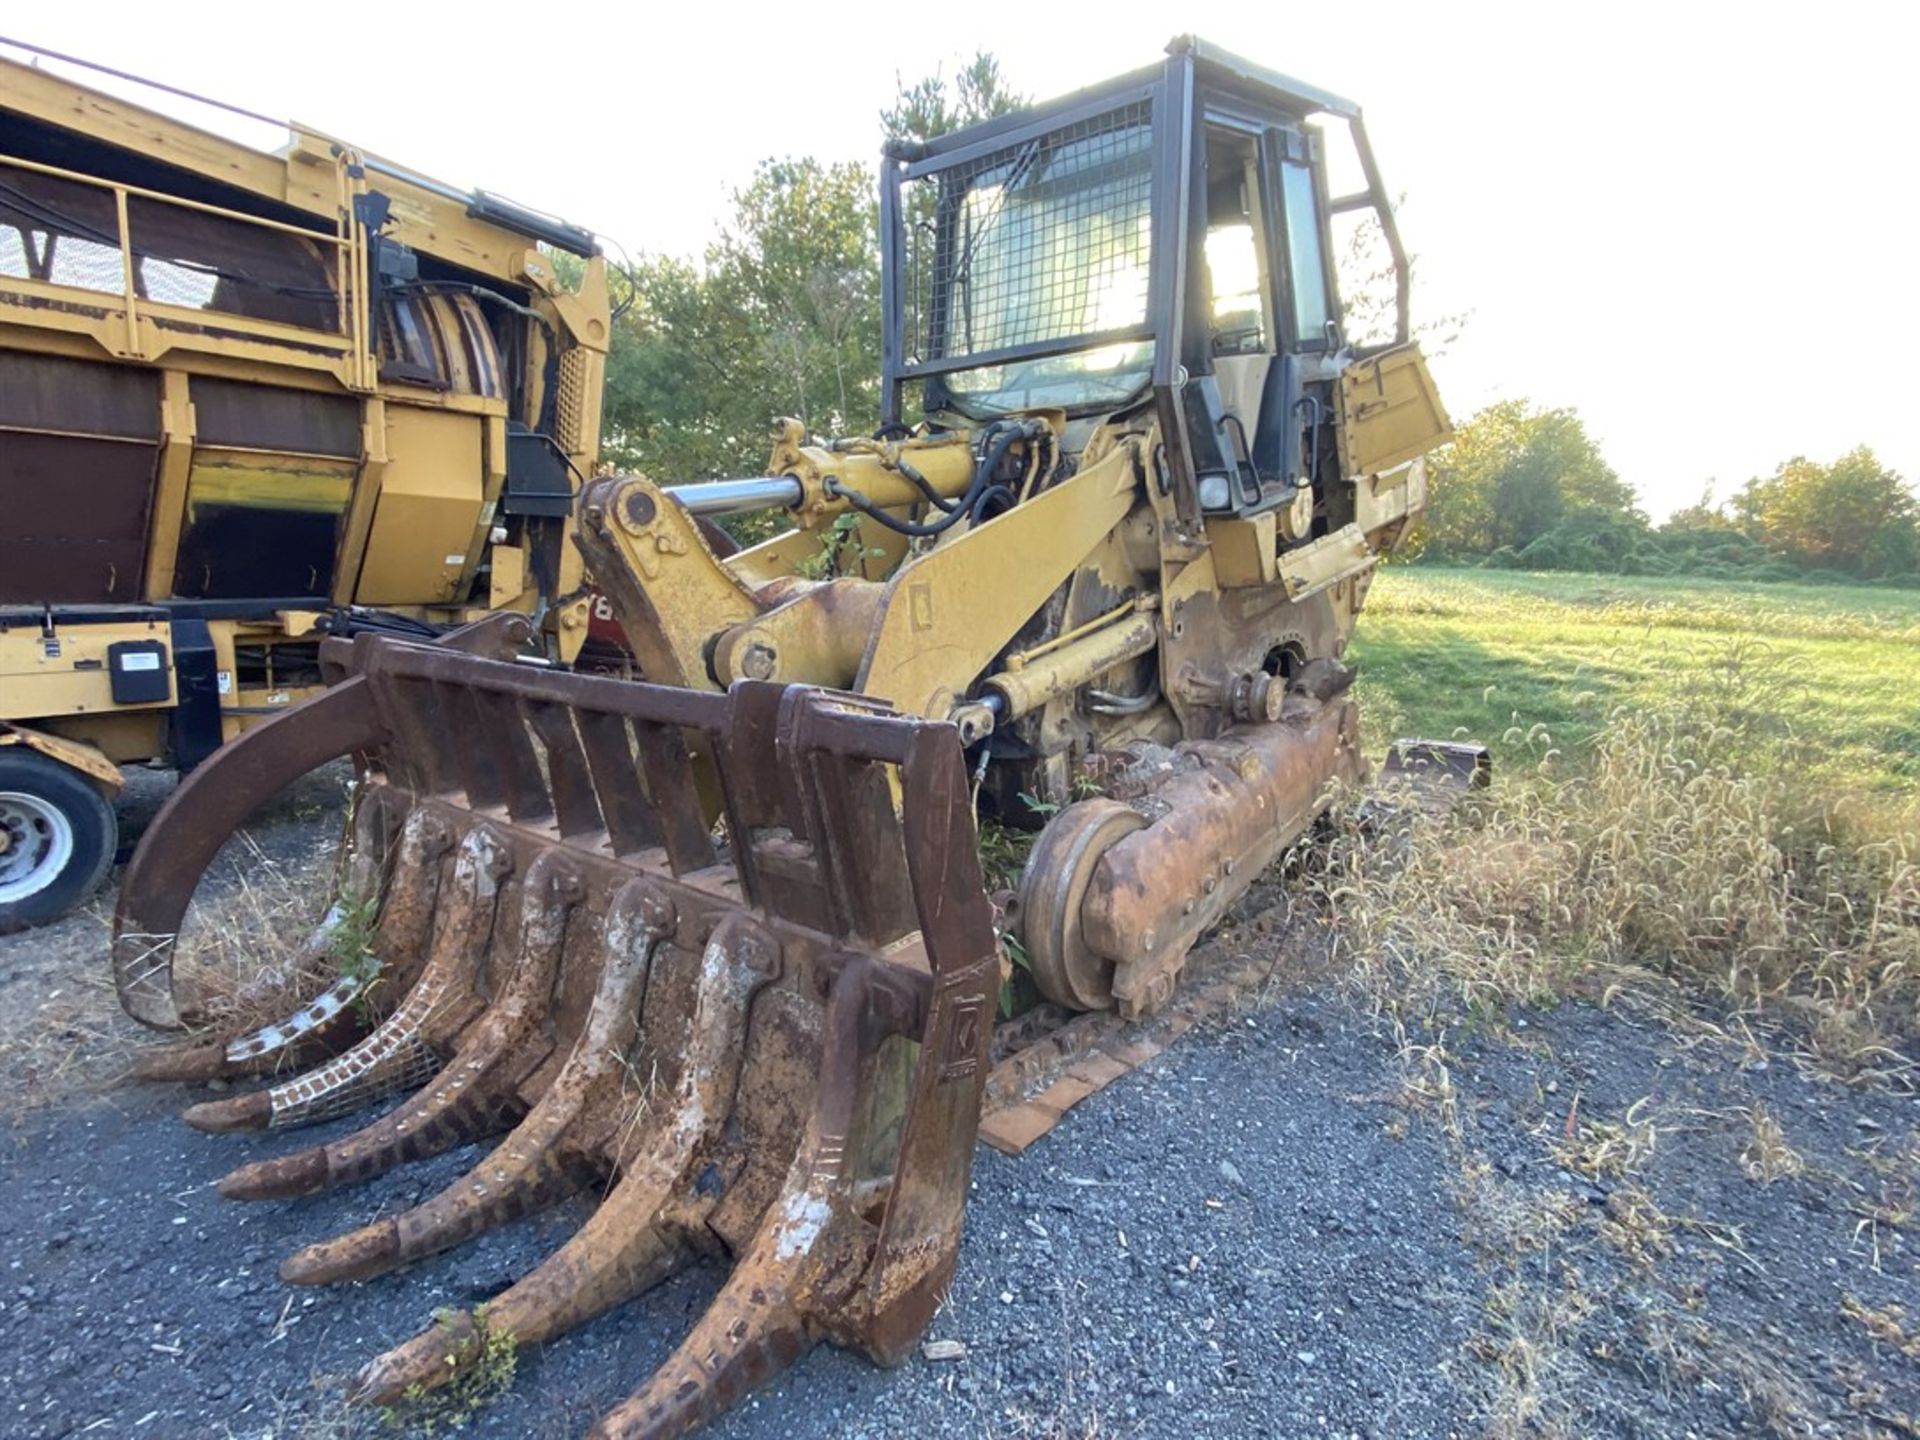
(57, 838)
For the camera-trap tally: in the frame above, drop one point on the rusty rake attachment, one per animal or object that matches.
(723, 960)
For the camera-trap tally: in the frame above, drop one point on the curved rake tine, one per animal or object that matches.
(477, 1093)
(210, 804)
(545, 1159)
(628, 1245)
(754, 1329)
(331, 1018)
(757, 1325)
(403, 1050)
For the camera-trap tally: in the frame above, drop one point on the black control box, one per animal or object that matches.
(137, 672)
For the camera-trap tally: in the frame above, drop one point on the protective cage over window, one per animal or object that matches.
(1038, 246)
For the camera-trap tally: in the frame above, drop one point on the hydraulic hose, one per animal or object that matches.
(1001, 436)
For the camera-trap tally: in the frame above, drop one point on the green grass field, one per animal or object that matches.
(1533, 663)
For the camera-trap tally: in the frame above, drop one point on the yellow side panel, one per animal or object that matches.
(123, 738)
(426, 523)
(43, 677)
(1243, 550)
(509, 578)
(88, 759)
(1390, 412)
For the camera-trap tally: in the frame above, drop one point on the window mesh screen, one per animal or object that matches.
(1039, 241)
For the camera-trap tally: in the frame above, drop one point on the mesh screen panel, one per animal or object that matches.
(68, 233)
(1039, 241)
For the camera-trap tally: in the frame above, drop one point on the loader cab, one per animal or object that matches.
(1163, 240)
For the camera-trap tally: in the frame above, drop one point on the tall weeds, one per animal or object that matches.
(1691, 843)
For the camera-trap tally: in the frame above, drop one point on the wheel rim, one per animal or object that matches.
(36, 842)
(1059, 869)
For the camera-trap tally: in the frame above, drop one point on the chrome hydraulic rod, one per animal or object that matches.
(734, 497)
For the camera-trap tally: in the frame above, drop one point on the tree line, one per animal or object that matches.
(1527, 488)
(781, 315)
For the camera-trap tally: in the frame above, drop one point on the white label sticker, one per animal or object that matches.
(456, 559)
(226, 682)
(140, 660)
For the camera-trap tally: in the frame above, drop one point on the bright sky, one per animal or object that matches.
(1694, 224)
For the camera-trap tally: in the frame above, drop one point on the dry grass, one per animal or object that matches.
(1767, 1156)
(1675, 849)
(243, 952)
(1604, 1148)
(1696, 867)
(61, 1035)
(1888, 1325)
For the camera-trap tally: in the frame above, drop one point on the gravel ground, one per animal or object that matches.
(1284, 1226)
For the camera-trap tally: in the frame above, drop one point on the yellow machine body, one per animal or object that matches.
(1088, 587)
(239, 390)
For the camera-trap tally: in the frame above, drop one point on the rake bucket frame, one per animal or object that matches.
(810, 998)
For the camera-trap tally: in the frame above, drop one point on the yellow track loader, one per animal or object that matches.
(1090, 582)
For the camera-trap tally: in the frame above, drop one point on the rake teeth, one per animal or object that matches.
(474, 1096)
(548, 1156)
(806, 1007)
(341, 1013)
(748, 1335)
(656, 1211)
(409, 1045)
(252, 1111)
(757, 1325)
(332, 1020)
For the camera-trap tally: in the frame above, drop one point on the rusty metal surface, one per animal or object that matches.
(1217, 825)
(1031, 1089)
(212, 803)
(705, 1024)
(78, 445)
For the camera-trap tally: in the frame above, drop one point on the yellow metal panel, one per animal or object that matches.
(85, 758)
(1243, 550)
(1380, 500)
(1311, 568)
(508, 576)
(1390, 412)
(255, 479)
(65, 673)
(305, 178)
(124, 736)
(366, 491)
(170, 490)
(426, 521)
(949, 611)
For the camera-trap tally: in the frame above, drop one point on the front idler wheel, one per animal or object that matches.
(1058, 871)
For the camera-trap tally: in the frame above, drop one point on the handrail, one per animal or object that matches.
(349, 272)
(180, 200)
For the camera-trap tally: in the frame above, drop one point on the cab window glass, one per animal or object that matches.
(1306, 261)
(1235, 257)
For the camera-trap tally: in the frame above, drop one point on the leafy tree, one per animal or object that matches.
(1511, 474)
(1702, 515)
(780, 316)
(801, 261)
(930, 107)
(1854, 516)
